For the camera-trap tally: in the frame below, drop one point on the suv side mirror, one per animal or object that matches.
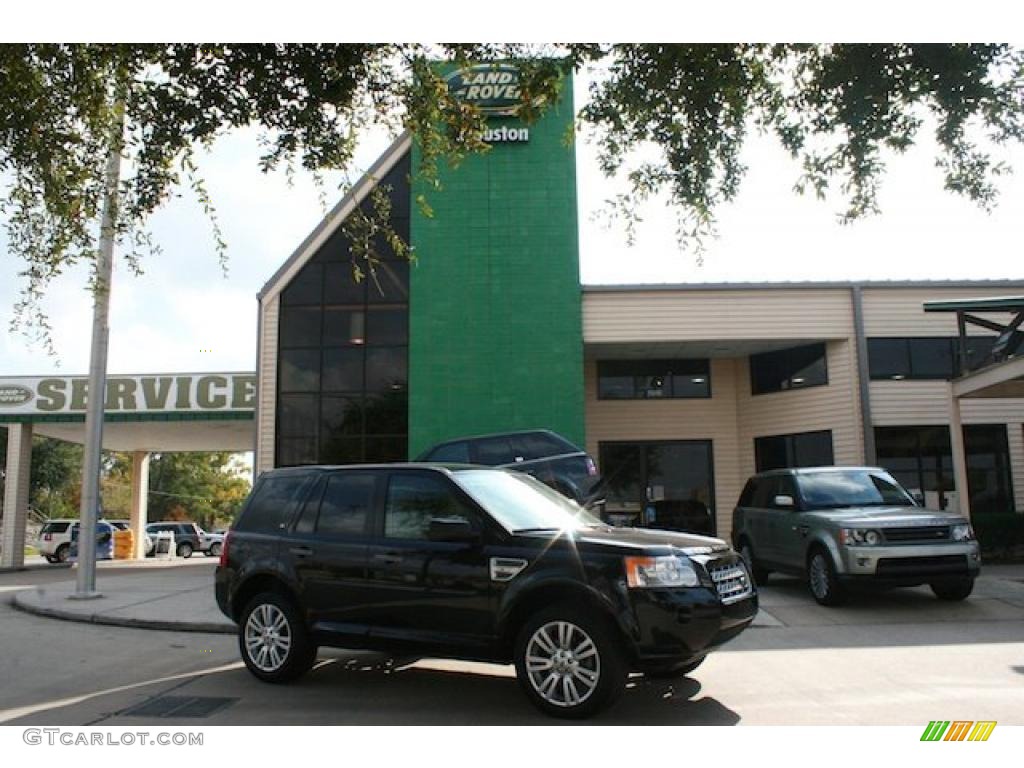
(451, 529)
(784, 501)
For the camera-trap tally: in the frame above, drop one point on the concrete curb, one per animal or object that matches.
(210, 627)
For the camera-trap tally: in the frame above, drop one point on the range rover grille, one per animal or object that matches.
(731, 581)
(920, 533)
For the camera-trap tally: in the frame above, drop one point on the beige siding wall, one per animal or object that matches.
(712, 315)
(711, 419)
(267, 372)
(899, 311)
(1016, 438)
(835, 406)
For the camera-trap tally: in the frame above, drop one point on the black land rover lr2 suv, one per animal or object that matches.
(472, 563)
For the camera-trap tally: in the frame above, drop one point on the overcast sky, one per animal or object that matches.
(183, 315)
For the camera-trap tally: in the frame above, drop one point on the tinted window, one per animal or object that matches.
(644, 379)
(493, 451)
(748, 494)
(989, 475)
(345, 505)
(934, 358)
(272, 503)
(55, 527)
(537, 445)
(805, 449)
(453, 452)
(413, 500)
(793, 368)
(764, 492)
(306, 522)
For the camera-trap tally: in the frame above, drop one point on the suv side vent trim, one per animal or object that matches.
(506, 568)
(732, 581)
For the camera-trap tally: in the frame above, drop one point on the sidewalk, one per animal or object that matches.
(182, 600)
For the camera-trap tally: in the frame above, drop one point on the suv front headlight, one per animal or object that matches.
(665, 571)
(962, 532)
(859, 537)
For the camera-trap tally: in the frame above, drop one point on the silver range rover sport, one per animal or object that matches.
(841, 526)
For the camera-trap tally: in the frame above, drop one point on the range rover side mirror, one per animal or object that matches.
(784, 501)
(451, 529)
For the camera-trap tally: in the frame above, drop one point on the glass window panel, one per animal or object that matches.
(386, 369)
(387, 448)
(770, 453)
(392, 284)
(293, 451)
(300, 327)
(387, 413)
(344, 327)
(888, 358)
(413, 500)
(298, 415)
(272, 503)
(616, 387)
(457, 453)
(931, 358)
(342, 415)
(622, 467)
(300, 370)
(805, 449)
(387, 327)
(345, 507)
(793, 368)
(306, 521)
(305, 287)
(493, 451)
(691, 385)
(337, 448)
(979, 351)
(813, 449)
(340, 286)
(625, 379)
(988, 468)
(343, 369)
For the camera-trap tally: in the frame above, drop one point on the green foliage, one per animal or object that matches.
(207, 488)
(672, 118)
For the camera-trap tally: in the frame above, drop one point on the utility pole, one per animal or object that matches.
(95, 400)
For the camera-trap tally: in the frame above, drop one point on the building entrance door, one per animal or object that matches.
(664, 484)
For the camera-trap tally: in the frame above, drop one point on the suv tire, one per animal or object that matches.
(273, 639)
(62, 553)
(822, 580)
(569, 662)
(184, 550)
(757, 571)
(953, 590)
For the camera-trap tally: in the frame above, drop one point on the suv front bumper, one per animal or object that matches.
(910, 564)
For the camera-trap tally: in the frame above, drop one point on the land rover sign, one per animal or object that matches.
(491, 88)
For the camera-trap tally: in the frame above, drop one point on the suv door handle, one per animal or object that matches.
(388, 558)
(301, 551)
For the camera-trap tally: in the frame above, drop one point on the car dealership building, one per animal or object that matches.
(680, 392)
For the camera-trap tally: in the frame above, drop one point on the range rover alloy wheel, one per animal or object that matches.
(821, 578)
(569, 663)
(273, 640)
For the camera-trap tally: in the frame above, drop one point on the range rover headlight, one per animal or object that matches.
(962, 532)
(666, 571)
(859, 537)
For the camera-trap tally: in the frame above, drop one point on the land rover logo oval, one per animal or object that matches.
(14, 394)
(491, 88)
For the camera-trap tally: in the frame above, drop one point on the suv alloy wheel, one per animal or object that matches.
(821, 578)
(273, 639)
(185, 550)
(569, 662)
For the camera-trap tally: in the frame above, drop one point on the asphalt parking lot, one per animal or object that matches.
(901, 657)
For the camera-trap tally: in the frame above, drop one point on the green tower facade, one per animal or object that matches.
(495, 326)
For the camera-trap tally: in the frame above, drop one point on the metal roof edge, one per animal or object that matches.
(333, 219)
(806, 284)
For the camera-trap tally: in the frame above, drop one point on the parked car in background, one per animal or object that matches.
(472, 563)
(188, 537)
(844, 526)
(548, 456)
(55, 540)
(212, 542)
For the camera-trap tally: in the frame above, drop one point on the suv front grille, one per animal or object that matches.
(921, 533)
(731, 581)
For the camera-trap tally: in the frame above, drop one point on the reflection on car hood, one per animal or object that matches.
(650, 537)
(890, 516)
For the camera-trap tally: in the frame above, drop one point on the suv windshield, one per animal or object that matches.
(853, 488)
(521, 503)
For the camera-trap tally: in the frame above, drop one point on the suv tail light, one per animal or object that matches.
(224, 550)
(591, 467)
(47, 537)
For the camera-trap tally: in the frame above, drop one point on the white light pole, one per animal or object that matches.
(86, 585)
